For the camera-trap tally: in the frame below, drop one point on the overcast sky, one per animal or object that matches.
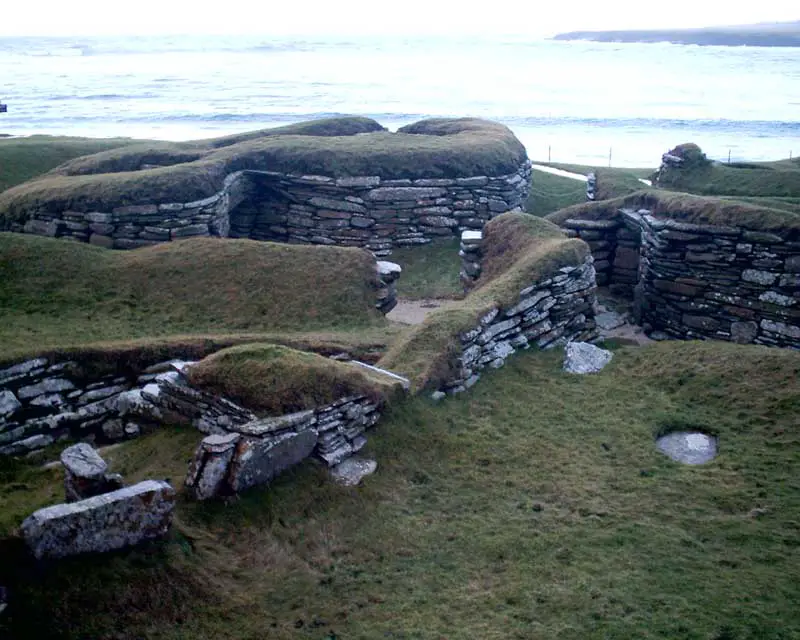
(352, 17)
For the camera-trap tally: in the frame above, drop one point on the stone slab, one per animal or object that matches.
(102, 523)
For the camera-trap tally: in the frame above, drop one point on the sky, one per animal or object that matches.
(363, 17)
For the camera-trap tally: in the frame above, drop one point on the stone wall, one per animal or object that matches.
(101, 523)
(359, 211)
(701, 280)
(548, 313)
(255, 452)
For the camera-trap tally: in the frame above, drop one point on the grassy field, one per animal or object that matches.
(499, 514)
(429, 271)
(55, 293)
(550, 193)
(24, 158)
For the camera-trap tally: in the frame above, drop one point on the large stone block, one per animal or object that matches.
(258, 461)
(389, 194)
(102, 523)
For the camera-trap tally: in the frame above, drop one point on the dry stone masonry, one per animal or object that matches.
(547, 314)
(701, 280)
(357, 211)
(254, 453)
(471, 254)
(101, 523)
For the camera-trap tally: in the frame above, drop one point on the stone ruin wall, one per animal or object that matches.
(695, 281)
(359, 211)
(548, 313)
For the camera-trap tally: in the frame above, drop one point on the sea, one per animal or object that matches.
(583, 102)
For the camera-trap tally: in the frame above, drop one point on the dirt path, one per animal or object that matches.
(413, 311)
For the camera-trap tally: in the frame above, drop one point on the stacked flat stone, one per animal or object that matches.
(85, 473)
(254, 453)
(548, 313)
(101, 523)
(357, 211)
(471, 254)
(388, 275)
(695, 281)
(43, 401)
(591, 186)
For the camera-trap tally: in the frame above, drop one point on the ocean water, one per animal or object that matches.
(567, 101)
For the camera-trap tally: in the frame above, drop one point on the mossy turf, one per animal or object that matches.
(273, 380)
(190, 171)
(536, 506)
(55, 294)
(519, 250)
(688, 208)
(24, 158)
(429, 271)
(779, 179)
(551, 193)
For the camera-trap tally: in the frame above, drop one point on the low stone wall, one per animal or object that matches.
(43, 401)
(101, 523)
(701, 280)
(358, 211)
(549, 313)
(254, 453)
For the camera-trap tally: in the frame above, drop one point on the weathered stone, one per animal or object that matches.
(190, 230)
(776, 298)
(582, 357)
(609, 320)
(208, 473)
(744, 332)
(781, 328)
(350, 472)
(101, 523)
(388, 194)
(300, 420)
(8, 403)
(258, 461)
(21, 369)
(793, 264)
(701, 323)
(358, 181)
(48, 385)
(760, 277)
(84, 472)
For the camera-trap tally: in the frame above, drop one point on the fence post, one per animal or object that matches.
(609, 156)
(729, 156)
(548, 152)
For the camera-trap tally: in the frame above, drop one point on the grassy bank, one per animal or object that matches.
(498, 514)
(24, 158)
(55, 293)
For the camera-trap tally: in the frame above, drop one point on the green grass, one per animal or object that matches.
(274, 380)
(54, 294)
(24, 158)
(550, 193)
(536, 506)
(428, 149)
(687, 208)
(779, 179)
(520, 249)
(429, 271)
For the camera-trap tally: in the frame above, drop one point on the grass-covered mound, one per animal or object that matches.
(520, 249)
(687, 208)
(273, 380)
(337, 147)
(780, 179)
(24, 158)
(55, 293)
(536, 506)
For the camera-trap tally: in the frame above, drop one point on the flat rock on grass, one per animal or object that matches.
(688, 447)
(350, 472)
(582, 357)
